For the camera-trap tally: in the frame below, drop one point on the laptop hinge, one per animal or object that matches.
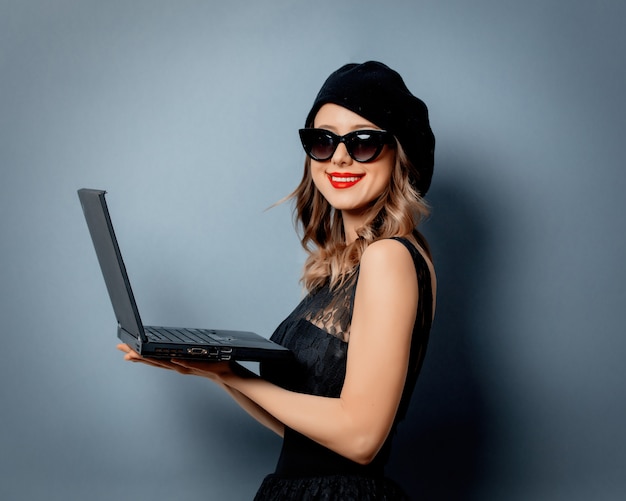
(135, 342)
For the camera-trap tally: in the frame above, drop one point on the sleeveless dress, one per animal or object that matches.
(318, 332)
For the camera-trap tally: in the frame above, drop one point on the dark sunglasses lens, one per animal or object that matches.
(321, 146)
(365, 146)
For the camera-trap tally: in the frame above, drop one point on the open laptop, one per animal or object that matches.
(161, 342)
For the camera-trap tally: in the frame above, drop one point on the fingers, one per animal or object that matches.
(132, 356)
(211, 370)
(123, 347)
(130, 353)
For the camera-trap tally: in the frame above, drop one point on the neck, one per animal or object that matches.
(351, 222)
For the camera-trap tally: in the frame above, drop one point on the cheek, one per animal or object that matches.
(383, 177)
(318, 175)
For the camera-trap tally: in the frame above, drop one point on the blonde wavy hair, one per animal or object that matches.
(396, 213)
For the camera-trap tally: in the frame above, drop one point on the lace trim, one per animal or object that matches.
(331, 311)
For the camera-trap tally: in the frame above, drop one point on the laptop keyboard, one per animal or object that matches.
(190, 336)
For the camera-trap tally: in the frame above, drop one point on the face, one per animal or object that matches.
(346, 184)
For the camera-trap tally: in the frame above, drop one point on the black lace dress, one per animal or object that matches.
(317, 332)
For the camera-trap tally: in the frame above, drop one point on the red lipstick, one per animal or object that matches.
(344, 180)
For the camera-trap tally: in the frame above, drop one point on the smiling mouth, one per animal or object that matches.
(342, 181)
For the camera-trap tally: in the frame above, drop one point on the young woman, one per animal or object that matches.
(360, 335)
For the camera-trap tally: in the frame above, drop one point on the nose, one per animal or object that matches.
(341, 155)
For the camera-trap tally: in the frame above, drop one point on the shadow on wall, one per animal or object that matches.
(439, 451)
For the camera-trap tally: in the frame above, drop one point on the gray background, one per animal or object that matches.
(186, 112)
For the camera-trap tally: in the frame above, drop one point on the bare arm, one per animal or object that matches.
(357, 423)
(256, 411)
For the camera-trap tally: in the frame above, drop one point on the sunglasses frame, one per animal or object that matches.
(350, 139)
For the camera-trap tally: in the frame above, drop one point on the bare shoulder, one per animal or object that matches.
(387, 292)
(387, 255)
(388, 272)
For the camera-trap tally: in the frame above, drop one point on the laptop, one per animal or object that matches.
(155, 341)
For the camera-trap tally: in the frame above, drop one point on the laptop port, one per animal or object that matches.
(197, 351)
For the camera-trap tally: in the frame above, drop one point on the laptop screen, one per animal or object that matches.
(111, 263)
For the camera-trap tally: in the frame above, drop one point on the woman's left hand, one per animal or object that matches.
(216, 371)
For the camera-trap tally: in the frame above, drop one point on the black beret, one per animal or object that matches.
(378, 94)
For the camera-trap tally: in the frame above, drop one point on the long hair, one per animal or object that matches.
(396, 212)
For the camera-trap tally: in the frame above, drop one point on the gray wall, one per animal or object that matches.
(186, 113)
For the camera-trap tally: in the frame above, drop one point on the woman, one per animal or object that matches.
(360, 335)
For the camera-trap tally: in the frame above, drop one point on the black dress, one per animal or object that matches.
(317, 332)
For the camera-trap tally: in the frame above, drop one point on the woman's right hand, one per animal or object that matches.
(132, 356)
(215, 371)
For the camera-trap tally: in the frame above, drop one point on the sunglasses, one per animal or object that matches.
(362, 145)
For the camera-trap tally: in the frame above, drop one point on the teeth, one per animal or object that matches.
(345, 179)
